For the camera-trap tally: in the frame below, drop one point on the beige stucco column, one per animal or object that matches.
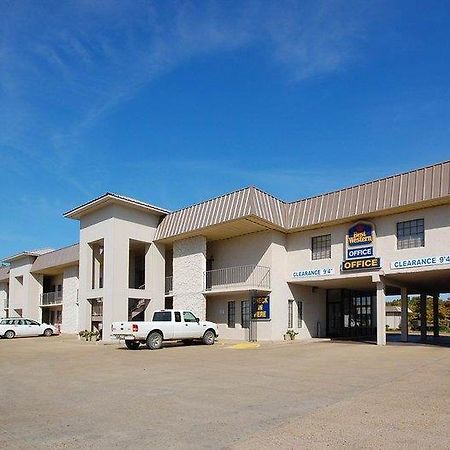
(381, 314)
(404, 320)
(189, 265)
(423, 317)
(436, 315)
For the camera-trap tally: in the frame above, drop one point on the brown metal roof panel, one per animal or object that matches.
(437, 178)
(445, 181)
(428, 183)
(62, 257)
(4, 274)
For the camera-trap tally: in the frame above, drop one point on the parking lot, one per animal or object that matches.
(62, 393)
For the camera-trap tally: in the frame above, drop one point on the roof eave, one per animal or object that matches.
(92, 205)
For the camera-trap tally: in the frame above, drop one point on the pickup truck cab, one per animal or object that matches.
(166, 325)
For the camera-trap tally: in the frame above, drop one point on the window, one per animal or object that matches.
(189, 317)
(290, 313)
(245, 314)
(321, 247)
(30, 322)
(231, 314)
(299, 314)
(410, 234)
(177, 316)
(162, 316)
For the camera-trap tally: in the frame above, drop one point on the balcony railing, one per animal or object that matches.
(168, 285)
(51, 298)
(248, 277)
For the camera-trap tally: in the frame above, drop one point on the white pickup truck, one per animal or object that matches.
(167, 325)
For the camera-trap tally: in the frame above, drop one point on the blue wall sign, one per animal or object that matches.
(261, 308)
(363, 252)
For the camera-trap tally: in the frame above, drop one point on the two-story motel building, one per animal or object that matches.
(254, 264)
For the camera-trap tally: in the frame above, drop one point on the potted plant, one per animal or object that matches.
(290, 335)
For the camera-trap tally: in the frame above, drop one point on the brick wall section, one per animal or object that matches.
(189, 265)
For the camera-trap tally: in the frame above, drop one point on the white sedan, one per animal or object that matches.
(12, 327)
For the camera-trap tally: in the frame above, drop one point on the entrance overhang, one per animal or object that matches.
(357, 281)
(420, 280)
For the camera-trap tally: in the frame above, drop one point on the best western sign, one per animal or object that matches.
(359, 248)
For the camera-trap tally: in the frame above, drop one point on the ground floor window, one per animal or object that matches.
(245, 314)
(299, 314)
(231, 314)
(290, 314)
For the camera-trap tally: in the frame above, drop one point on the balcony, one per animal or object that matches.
(239, 278)
(51, 298)
(168, 288)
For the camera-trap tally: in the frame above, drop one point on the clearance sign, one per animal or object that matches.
(359, 248)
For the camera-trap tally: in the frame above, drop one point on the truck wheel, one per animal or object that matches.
(209, 337)
(154, 341)
(132, 345)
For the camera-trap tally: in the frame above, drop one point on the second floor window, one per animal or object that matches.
(321, 247)
(410, 234)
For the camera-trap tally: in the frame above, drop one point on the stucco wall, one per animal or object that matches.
(26, 295)
(243, 250)
(437, 237)
(70, 300)
(217, 311)
(4, 289)
(189, 264)
(116, 225)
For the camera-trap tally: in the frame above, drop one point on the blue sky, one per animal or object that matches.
(176, 102)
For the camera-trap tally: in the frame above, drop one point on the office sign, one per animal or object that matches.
(363, 252)
(360, 248)
(261, 308)
(421, 262)
(361, 264)
(322, 272)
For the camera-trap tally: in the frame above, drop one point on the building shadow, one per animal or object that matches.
(441, 341)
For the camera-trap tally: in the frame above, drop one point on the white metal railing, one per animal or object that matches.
(168, 288)
(251, 276)
(51, 298)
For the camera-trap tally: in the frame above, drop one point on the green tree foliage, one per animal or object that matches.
(414, 314)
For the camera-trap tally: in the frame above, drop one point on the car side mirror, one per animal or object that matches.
(197, 320)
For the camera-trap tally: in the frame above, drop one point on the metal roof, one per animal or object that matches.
(416, 187)
(109, 197)
(61, 257)
(240, 204)
(27, 253)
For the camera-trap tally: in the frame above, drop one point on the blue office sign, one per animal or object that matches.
(362, 252)
(261, 308)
